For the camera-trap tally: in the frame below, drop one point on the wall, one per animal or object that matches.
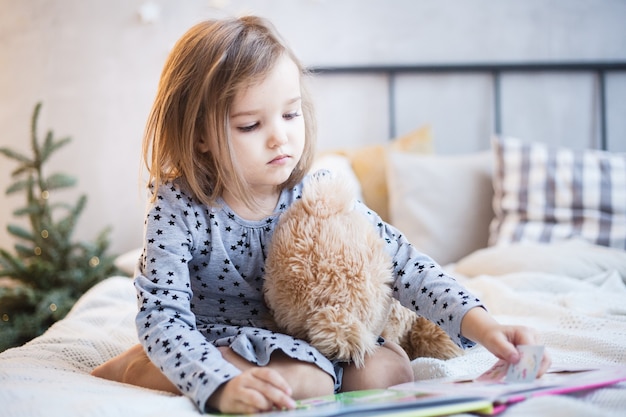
(95, 66)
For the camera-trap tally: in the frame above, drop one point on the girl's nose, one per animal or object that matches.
(278, 136)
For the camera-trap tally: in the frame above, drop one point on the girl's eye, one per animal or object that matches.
(292, 115)
(248, 128)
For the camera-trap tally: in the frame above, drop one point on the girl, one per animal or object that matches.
(228, 143)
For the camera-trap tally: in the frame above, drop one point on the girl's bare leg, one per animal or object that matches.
(305, 379)
(388, 366)
(134, 367)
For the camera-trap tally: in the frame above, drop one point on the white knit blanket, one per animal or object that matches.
(581, 320)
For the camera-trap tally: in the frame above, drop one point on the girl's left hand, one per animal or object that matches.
(501, 340)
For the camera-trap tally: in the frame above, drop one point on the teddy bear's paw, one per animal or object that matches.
(426, 339)
(341, 336)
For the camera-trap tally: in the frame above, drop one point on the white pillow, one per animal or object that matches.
(442, 204)
(546, 194)
(574, 258)
(127, 262)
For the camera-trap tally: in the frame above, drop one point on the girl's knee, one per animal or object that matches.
(305, 379)
(400, 372)
(308, 381)
(387, 372)
(401, 368)
(387, 367)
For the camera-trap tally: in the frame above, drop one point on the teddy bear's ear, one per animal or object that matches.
(326, 195)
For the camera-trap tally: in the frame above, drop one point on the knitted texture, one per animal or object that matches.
(581, 321)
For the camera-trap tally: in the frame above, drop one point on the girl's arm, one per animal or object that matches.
(422, 285)
(166, 324)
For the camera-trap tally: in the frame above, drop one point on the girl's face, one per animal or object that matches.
(267, 128)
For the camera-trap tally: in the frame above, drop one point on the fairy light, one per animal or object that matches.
(45, 194)
(37, 251)
(44, 234)
(94, 261)
(5, 317)
(53, 307)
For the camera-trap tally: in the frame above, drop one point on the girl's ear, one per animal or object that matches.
(203, 145)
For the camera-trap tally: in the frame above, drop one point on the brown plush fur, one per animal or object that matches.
(328, 277)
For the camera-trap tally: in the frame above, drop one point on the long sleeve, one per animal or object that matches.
(421, 285)
(165, 323)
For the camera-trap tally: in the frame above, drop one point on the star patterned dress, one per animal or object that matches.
(200, 280)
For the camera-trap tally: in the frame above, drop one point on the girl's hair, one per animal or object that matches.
(212, 62)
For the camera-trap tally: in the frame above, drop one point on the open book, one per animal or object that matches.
(482, 395)
(502, 394)
(385, 402)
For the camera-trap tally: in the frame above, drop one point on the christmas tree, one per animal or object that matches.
(47, 272)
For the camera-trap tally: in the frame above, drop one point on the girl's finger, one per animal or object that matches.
(274, 388)
(273, 378)
(253, 401)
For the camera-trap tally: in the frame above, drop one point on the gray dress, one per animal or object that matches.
(200, 286)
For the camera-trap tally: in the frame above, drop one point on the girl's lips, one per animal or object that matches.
(279, 159)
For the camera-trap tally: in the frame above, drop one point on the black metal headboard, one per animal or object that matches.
(496, 70)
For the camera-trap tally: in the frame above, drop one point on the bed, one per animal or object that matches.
(537, 231)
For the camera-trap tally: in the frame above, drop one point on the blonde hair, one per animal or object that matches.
(207, 67)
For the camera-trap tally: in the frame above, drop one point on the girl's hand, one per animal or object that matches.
(253, 391)
(501, 340)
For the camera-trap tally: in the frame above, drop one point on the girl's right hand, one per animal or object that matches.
(254, 390)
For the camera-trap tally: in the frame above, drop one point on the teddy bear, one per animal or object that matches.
(328, 280)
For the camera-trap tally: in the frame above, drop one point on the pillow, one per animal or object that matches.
(442, 204)
(369, 165)
(573, 258)
(127, 262)
(546, 194)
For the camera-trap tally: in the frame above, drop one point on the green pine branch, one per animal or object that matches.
(47, 271)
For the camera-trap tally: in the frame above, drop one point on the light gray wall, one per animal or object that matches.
(95, 65)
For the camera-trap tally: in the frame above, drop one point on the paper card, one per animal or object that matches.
(525, 370)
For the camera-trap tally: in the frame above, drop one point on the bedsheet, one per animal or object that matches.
(581, 320)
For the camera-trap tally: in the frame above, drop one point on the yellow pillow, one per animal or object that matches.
(369, 164)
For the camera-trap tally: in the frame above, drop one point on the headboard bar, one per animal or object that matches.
(476, 67)
(496, 70)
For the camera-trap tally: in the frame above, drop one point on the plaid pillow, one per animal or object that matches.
(544, 194)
